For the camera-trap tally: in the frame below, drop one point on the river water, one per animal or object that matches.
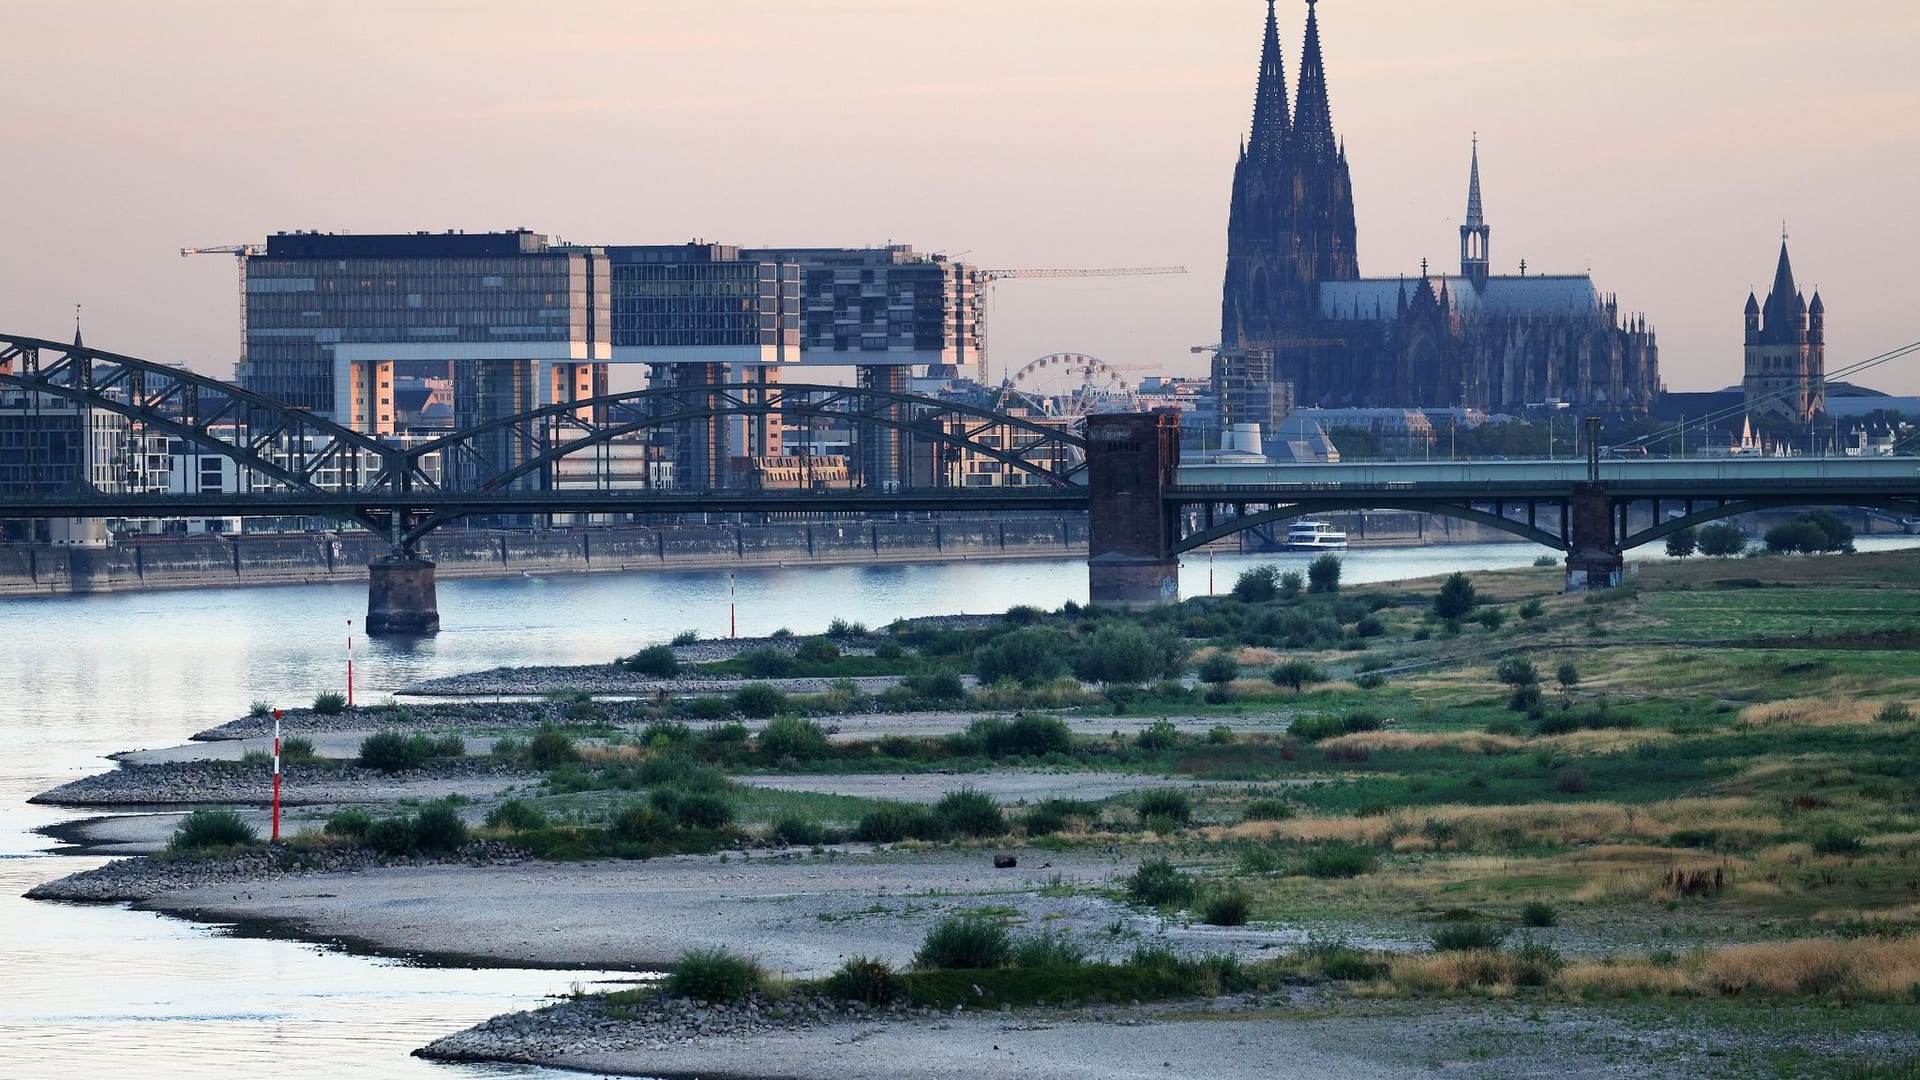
(118, 992)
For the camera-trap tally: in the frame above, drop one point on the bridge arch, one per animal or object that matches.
(1296, 511)
(1660, 530)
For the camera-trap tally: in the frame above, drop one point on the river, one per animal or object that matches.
(116, 992)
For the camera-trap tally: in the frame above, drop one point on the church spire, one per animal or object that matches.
(77, 343)
(1312, 116)
(1474, 234)
(1271, 125)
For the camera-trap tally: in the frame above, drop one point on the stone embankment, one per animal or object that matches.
(215, 782)
(141, 879)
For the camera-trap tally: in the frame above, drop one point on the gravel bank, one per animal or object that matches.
(146, 879)
(213, 782)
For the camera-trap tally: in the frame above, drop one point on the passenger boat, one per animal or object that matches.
(1314, 536)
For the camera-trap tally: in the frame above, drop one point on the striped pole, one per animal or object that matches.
(349, 663)
(733, 622)
(276, 776)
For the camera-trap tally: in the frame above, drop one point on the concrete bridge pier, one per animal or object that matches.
(1131, 459)
(1593, 552)
(400, 595)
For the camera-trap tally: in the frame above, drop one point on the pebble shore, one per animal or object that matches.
(140, 879)
(215, 782)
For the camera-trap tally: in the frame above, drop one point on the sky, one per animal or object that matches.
(1662, 144)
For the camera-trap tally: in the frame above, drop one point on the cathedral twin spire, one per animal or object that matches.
(1308, 132)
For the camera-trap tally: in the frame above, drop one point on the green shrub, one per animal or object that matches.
(1370, 626)
(205, 830)
(1054, 815)
(1120, 652)
(1722, 539)
(1165, 802)
(841, 628)
(1538, 913)
(1229, 907)
(1369, 680)
(508, 748)
(260, 710)
(1030, 657)
(1258, 584)
(392, 752)
(550, 748)
(656, 660)
(1023, 736)
(759, 700)
(1491, 618)
(1516, 671)
(329, 703)
(793, 829)
(1526, 698)
(1219, 668)
(708, 707)
(1836, 842)
(1297, 675)
(1219, 735)
(1533, 608)
(1461, 936)
(781, 634)
(969, 812)
(664, 733)
(297, 748)
(1339, 861)
(439, 828)
(889, 650)
(964, 942)
(715, 976)
(516, 814)
(694, 809)
(766, 662)
(727, 734)
(1456, 598)
(1894, 712)
(641, 824)
(891, 822)
(1267, 810)
(350, 824)
(1158, 883)
(393, 836)
(867, 980)
(1157, 736)
(940, 684)
(792, 737)
(1323, 574)
(817, 650)
(1047, 951)
(686, 637)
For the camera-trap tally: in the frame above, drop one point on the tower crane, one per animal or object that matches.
(240, 252)
(986, 278)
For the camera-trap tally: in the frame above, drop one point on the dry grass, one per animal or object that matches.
(1813, 711)
(610, 755)
(1472, 742)
(1471, 828)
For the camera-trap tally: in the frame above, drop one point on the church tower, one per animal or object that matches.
(1475, 233)
(1291, 223)
(1786, 355)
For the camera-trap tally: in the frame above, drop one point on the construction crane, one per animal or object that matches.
(986, 278)
(240, 252)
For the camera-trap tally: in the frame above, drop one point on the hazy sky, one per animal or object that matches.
(1662, 142)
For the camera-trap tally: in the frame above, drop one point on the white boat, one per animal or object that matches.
(1314, 536)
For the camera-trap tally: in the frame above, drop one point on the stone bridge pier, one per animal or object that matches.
(1594, 560)
(1132, 458)
(400, 595)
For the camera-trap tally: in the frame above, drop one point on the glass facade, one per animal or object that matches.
(884, 305)
(702, 295)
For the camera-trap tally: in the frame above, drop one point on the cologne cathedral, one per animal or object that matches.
(1294, 296)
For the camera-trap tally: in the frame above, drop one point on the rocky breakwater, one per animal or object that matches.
(591, 1026)
(149, 878)
(178, 783)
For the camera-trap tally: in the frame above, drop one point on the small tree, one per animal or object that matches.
(1722, 539)
(1568, 675)
(1291, 584)
(1517, 671)
(1219, 668)
(1455, 599)
(1257, 584)
(1803, 537)
(1125, 653)
(1682, 543)
(1323, 574)
(1297, 675)
(1030, 656)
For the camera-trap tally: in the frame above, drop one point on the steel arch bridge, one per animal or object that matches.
(300, 463)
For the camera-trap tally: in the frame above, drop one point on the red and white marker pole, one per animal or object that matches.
(349, 663)
(733, 621)
(1209, 573)
(276, 776)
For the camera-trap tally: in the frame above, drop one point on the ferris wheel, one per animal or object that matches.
(1070, 384)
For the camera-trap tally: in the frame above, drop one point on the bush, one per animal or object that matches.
(1023, 736)
(1165, 802)
(349, 824)
(393, 836)
(1456, 598)
(1526, 699)
(686, 637)
(1836, 842)
(551, 748)
(1157, 736)
(1567, 674)
(759, 700)
(1257, 584)
(1682, 543)
(330, 703)
(1491, 618)
(1321, 726)
(1517, 671)
(656, 660)
(891, 822)
(298, 748)
(1461, 936)
(1297, 675)
(1047, 951)
(889, 650)
(966, 942)
(1219, 668)
(517, 815)
(693, 809)
(817, 650)
(1369, 626)
(1226, 908)
(866, 980)
(641, 824)
(841, 628)
(1538, 913)
(1339, 861)
(1291, 583)
(792, 737)
(766, 662)
(1369, 680)
(1158, 883)
(796, 830)
(260, 709)
(941, 684)
(1722, 539)
(439, 828)
(1894, 712)
(968, 812)
(1053, 815)
(1796, 536)
(1126, 653)
(1030, 657)
(716, 976)
(1323, 574)
(205, 830)
(1570, 780)
(1219, 735)
(392, 752)
(1532, 609)
(1267, 810)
